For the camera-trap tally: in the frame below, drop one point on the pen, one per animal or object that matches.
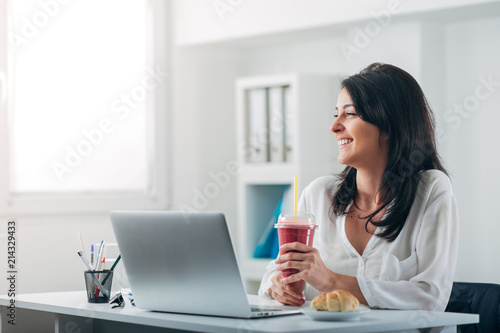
(116, 262)
(112, 267)
(81, 242)
(102, 266)
(84, 260)
(99, 255)
(100, 260)
(99, 268)
(91, 254)
(87, 267)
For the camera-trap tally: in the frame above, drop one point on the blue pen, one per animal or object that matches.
(98, 256)
(91, 254)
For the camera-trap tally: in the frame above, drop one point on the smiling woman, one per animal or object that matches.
(388, 224)
(84, 87)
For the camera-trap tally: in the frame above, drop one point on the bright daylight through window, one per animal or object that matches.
(80, 116)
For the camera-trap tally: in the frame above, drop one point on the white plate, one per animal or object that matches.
(336, 316)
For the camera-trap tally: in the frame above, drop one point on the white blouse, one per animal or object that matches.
(415, 271)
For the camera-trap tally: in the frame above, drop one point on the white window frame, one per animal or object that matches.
(156, 197)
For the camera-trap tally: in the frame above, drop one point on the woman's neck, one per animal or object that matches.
(368, 182)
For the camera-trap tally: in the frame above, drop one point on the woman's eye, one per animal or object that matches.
(347, 114)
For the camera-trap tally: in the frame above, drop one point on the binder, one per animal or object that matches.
(258, 134)
(289, 118)
(276, 125)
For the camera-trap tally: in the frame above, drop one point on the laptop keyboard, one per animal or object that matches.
(265, 308)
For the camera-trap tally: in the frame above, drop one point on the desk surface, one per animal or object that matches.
(75, 304)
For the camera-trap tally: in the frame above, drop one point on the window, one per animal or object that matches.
(86, 80)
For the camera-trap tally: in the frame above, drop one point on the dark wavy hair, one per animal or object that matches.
(391, 99)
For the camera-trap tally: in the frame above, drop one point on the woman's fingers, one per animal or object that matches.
(287, 299)
(295, 246)
(308, 266)
(291, 256)
(285, 294)
(293, 279)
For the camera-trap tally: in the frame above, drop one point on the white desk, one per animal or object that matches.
(70, 312)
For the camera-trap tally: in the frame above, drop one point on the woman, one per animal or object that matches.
(388, 224)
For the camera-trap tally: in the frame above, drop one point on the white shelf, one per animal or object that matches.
(268, 173)
(261, 185)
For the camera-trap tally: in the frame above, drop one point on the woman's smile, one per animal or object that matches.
(344, 142)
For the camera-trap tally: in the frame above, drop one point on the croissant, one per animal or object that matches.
(337, 300)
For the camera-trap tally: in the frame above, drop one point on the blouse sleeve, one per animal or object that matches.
(433, 260)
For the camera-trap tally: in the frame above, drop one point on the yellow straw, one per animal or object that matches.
(295, 196)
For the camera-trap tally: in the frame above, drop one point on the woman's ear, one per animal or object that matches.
(384, 140)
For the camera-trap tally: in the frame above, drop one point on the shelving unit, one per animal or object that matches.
(261, 185)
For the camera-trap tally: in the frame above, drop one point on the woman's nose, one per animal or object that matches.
(336, 126)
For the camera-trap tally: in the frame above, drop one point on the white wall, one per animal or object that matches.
(201, 22)
(325, 56)
(472, 155)
(204, 130)
(47, 248)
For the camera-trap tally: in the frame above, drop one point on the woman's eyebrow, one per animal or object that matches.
(345, 106)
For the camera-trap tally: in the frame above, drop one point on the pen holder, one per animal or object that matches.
(98, 285)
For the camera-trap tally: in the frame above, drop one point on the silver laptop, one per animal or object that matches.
(185, 263)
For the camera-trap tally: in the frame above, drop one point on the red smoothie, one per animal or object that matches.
(293, 228)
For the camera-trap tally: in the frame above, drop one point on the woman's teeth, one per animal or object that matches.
(345, 141)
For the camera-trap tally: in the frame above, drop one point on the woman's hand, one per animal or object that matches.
(308, 262)
(288, 294)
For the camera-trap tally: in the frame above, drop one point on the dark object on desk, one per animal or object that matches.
(117, 301)
(481, 298)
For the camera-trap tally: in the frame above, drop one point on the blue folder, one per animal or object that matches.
(268, 245)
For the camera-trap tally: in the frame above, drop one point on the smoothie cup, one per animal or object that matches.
(295, 228)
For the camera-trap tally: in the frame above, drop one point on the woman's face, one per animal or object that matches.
(361, 144)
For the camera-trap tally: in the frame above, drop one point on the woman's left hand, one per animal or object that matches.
(308, 262)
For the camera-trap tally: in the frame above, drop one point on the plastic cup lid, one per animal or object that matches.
(289, 220)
